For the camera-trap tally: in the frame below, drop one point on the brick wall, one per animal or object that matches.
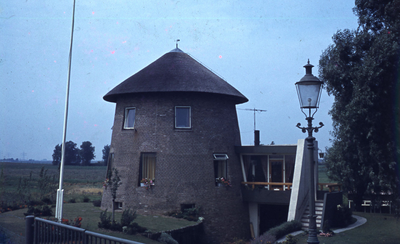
(184, 166)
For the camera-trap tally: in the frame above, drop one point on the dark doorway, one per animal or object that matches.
(272, 215)
(276, 171)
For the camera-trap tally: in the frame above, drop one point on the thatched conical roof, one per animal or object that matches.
(175, 71)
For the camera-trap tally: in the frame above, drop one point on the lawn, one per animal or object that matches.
(380, 228)
(79, 182)
(14, 222)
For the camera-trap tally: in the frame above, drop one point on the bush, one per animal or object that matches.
(264, 239)
(190, 214)
(105, 220)
(127, 217)
(97, 203)
(34, 203)
(342, 217)
(72, 200)
(290, 240)
(47, 200)
(133, 228)
(39, 211)
(167, 239)
(116, 226)
(86, 199)
(284, 229)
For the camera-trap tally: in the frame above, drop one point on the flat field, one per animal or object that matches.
(79, 181)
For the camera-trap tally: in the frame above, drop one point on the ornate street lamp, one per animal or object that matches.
(309, 93)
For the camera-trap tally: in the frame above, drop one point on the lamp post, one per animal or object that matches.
(309, 93)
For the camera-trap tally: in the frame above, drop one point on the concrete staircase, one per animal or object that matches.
(319, 207)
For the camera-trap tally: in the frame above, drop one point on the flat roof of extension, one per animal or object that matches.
(267, 149)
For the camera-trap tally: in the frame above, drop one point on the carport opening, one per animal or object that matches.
(272, 215)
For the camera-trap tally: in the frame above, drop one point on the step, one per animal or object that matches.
(305, 226)
(319, 207)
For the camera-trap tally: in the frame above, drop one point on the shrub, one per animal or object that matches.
(167, 239)
(86, 199)
(290, 240)
(77, 222)
(46, 211)
(34, 203)
(116, 226)
(236, 240)
(105, 220)
(72, 200)
(97, 203)
(39, 211)
(133, 228)
(342, 217)
(127, 217)
(264, 239)
(47, 200)
(284, 229)
(188, 214)
(191, 214)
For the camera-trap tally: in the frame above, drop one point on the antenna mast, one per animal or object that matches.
(254, 110)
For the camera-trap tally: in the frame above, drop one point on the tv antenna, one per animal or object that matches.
(254, 110)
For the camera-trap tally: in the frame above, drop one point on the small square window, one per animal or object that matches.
(183, 117)
(129, 122)
(117, 205)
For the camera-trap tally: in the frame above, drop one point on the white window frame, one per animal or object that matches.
(220, 156)
(190, 117)
(126, 118)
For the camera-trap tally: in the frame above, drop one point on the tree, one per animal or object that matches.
(57, 155)
(86, 153)
(71, 154)
(360, 70)
(114, 183)
(106, 152)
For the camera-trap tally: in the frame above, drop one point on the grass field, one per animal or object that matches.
(78, 181)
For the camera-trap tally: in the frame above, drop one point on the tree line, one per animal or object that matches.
(78, 156)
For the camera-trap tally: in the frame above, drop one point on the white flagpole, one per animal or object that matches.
(60, 191)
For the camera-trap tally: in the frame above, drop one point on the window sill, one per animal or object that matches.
(183, 129)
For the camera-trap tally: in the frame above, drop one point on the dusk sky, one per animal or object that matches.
(259, 47)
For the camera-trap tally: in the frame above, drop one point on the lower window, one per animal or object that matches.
(220, 167)
(148, 166)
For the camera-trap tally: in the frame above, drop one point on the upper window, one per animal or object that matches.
(129, 122)
(183, 117)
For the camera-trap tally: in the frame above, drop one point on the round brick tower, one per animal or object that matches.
(176, 122)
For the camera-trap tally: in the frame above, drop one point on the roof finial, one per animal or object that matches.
(177, 43)
(308, 62)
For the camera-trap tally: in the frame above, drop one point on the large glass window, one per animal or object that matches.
(148, 166)
(130, 114)
(183, 117)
